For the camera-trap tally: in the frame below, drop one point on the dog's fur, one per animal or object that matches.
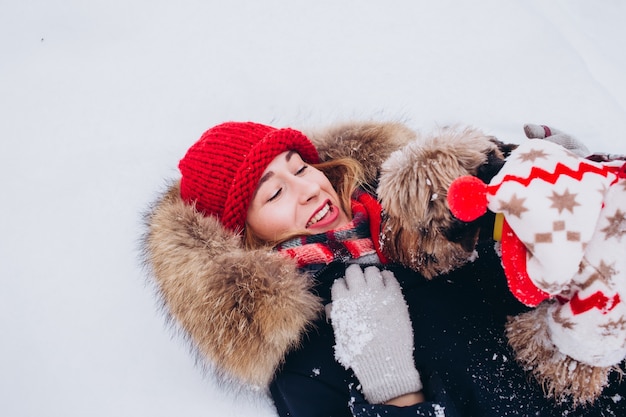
(421, 232)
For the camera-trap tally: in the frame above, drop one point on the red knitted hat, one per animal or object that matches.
(221, 170)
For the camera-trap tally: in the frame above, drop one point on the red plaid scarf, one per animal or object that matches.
(348, 242)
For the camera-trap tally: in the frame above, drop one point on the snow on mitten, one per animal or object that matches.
(373, 333)
(556, 136)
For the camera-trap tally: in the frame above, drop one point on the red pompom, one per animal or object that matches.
(467, 198)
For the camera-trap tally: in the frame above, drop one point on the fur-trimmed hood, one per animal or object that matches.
(243, 310)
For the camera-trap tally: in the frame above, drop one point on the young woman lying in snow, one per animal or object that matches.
(267, 226)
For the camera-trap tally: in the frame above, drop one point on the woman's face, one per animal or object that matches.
(293, 198)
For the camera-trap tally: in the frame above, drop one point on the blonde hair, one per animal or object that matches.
(345, 175)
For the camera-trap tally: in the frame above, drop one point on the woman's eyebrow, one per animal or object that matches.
(289, 154)
(263, 179)
(269, 174)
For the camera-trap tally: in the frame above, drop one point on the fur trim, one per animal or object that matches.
(561, 377)
(420, 231)
(369, 143)
(241, 310)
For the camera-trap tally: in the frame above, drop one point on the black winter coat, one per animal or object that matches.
(460, 350)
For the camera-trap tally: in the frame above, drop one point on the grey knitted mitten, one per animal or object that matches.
(553, 135)
(373, 333)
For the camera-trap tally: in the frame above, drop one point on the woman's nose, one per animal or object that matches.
(309, 190)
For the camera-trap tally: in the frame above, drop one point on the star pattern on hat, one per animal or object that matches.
(565, 201)
(603, 272)
(532, 155)
(563, 322)
(549, 287)
(514, 207)
(612, 326)
(617, 225)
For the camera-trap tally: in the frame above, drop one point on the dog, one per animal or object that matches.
(563, 242)
(420, 232)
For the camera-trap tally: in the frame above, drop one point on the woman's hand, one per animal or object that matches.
(374, 336)
(556, 136)
(406, 399)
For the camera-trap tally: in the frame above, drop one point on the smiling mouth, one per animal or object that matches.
(320, 214)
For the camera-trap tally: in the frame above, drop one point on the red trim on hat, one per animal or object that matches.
(596, 300)
(560, 169)
(514, 263)
(621, 172)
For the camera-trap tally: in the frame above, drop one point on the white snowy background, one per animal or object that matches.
(100, 99)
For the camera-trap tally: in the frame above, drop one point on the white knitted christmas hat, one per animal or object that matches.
(551, 199)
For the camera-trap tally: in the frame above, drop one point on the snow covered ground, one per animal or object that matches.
(100, 99)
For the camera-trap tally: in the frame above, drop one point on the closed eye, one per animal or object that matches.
(301, 170)
(275, 195)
